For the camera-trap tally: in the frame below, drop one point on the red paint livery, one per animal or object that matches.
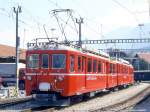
(70, 72)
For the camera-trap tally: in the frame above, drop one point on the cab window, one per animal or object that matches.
(45, 60)
(33, 61)
(58, 61)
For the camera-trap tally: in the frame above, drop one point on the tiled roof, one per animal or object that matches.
(6, 51)
(144, 56)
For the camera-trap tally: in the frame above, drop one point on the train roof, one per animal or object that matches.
(59, 46)
(54, 45)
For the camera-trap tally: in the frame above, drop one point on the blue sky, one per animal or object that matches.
(107, 15)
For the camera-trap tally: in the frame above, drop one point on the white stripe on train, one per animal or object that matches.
(70, 74)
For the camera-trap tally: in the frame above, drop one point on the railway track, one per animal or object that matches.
(104, 103)
(126, 104)
(12, 101)
(87, 105)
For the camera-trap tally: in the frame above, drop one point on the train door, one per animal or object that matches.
(84, 69)
(107, 74)
(118, 74)
(88, 76)
(104, 74)
(80, 78)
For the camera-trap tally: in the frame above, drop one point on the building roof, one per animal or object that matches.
(144, 56)
(9, 51)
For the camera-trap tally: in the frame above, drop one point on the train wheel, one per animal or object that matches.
(89, 95)
(76, 99)
(115, 89)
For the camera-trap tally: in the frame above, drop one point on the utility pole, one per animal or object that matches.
(79, 21)
(17, 11)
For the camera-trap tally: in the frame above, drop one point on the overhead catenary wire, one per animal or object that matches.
(87, 19)
(74, 20)
(125, 8)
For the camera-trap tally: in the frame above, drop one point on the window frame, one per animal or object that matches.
(48, 61)
(94, 66)
(79, 70)
(99, 63)
(52, 61)
(73, 63)
(89, 59)
(37, 59)
(83, 63)
(111, 68)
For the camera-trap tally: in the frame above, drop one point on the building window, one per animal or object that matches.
(94, 66)
(58, 61)
(79, 64)
(99, 67)
(45, 60)
(89, 69)
(71, 63)
(33, 61)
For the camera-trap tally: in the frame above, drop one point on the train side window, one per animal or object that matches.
(71, 63)
(45, 60)
(94, 66)
(83, 64)
(118, 68)
(124, 69)
(89, 68)
(121, 69)
(104, 66)
(99, 67)
(111, 68)
(114, 68)
(79, 64)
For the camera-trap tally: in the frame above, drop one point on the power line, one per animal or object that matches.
(55, 3)
(122, 6)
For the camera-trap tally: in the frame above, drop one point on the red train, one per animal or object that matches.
(62, 72)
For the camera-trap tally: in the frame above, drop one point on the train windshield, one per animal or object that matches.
(58, 61)
(33, 61)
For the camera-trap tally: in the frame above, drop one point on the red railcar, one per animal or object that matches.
(62, 71)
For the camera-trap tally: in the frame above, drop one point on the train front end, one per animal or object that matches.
(45, 75)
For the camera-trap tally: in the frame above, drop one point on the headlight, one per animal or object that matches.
(60, 78)
(29, 77)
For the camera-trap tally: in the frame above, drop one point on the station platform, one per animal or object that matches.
(108, 99)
